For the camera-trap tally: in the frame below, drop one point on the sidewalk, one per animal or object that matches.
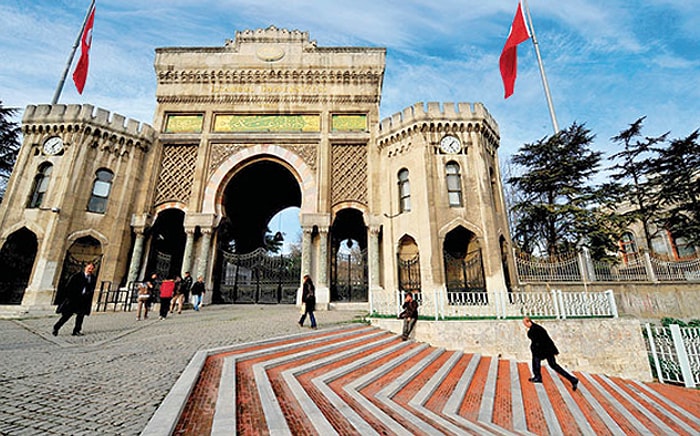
(112, 380)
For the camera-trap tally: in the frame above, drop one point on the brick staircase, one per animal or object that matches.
(362, 380)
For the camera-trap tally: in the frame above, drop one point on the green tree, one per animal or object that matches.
(9, 145)
(631, 184)
(557, 209)
(677, 188)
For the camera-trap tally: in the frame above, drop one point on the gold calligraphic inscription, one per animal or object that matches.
(267, 123)
(269, 89)
(184, 124)
(349, 123)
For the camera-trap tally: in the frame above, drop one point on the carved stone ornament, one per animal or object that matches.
(270, 53)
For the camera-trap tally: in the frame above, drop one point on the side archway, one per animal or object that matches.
(17, 257)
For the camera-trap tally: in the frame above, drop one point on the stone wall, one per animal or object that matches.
(613, 347)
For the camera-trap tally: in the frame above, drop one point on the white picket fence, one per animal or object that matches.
(675, 353)
(501, 305)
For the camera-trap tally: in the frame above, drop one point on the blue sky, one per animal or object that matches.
(608, 61)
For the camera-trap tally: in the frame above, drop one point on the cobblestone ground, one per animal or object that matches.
(111, 380)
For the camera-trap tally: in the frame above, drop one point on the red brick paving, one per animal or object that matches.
(502, 404)
(197, 417)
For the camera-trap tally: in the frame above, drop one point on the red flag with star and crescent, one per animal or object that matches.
(508, 61)
(81, 70)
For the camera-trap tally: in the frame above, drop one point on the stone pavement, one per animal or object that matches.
(112, 380)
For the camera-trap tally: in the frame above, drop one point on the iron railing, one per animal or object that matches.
(580, 267)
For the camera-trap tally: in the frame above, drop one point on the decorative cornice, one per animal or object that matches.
(348, 76)
(268, 99)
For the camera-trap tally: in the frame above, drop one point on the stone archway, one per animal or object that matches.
(464, 266)
(17, 258)
(82, 251)
(349, 281)
(408, 259)
(167, 244)
(249, 266)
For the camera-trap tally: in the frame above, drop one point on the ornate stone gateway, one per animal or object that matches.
(258, 277)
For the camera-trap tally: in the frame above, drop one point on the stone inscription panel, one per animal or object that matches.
(267, 123)
(179, 123)
(349, 123)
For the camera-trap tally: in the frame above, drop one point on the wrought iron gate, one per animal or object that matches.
(349, 277)
(258, 277)
(465, 274)
(409, 274)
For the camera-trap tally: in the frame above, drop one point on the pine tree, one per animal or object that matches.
(557, 209)
(677, 188)
(9, 145)
(631, 184)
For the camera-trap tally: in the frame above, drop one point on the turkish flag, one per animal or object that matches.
(81, 70)
(509, 56)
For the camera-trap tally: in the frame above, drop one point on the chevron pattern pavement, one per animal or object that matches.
(363, 380)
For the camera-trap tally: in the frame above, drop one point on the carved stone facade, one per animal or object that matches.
(269, 107)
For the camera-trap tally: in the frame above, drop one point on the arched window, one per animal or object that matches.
(41, 184)
(100, 191)
(454, 184)
(404, 191)
(628, 247)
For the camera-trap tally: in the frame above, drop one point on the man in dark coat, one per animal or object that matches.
(77, 299)
(308, 299)
(542, 348)
(409, 315)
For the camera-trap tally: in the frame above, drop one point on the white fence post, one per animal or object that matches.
(652, 346)
(649, 267)
(555, 303)
(611, 300)
(682, 354)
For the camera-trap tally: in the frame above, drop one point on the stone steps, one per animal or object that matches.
(362, 380)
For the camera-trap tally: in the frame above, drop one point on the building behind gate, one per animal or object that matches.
(268, 121)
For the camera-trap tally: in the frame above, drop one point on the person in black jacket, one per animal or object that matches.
(542, 348)
(77, 299)
(308, 299)
(409, 315)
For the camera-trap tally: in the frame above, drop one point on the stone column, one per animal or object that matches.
(204, 247)
(187, 256)
(323, 258)
(373, 255)
(135, 264)
(306, 251)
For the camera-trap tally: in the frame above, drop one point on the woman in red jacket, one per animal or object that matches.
(167, 288)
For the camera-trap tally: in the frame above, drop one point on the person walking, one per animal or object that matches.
(179, 298)
(167, 289)
(197, 291)
(77, 300)
(409, 315)
(186, 286)
(542, 347)
(144, 301)
(308, 299)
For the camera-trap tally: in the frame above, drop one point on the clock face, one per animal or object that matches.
(53, 145)
(450, 144)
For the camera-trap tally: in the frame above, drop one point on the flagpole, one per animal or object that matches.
(59, 88)
(547, 94)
